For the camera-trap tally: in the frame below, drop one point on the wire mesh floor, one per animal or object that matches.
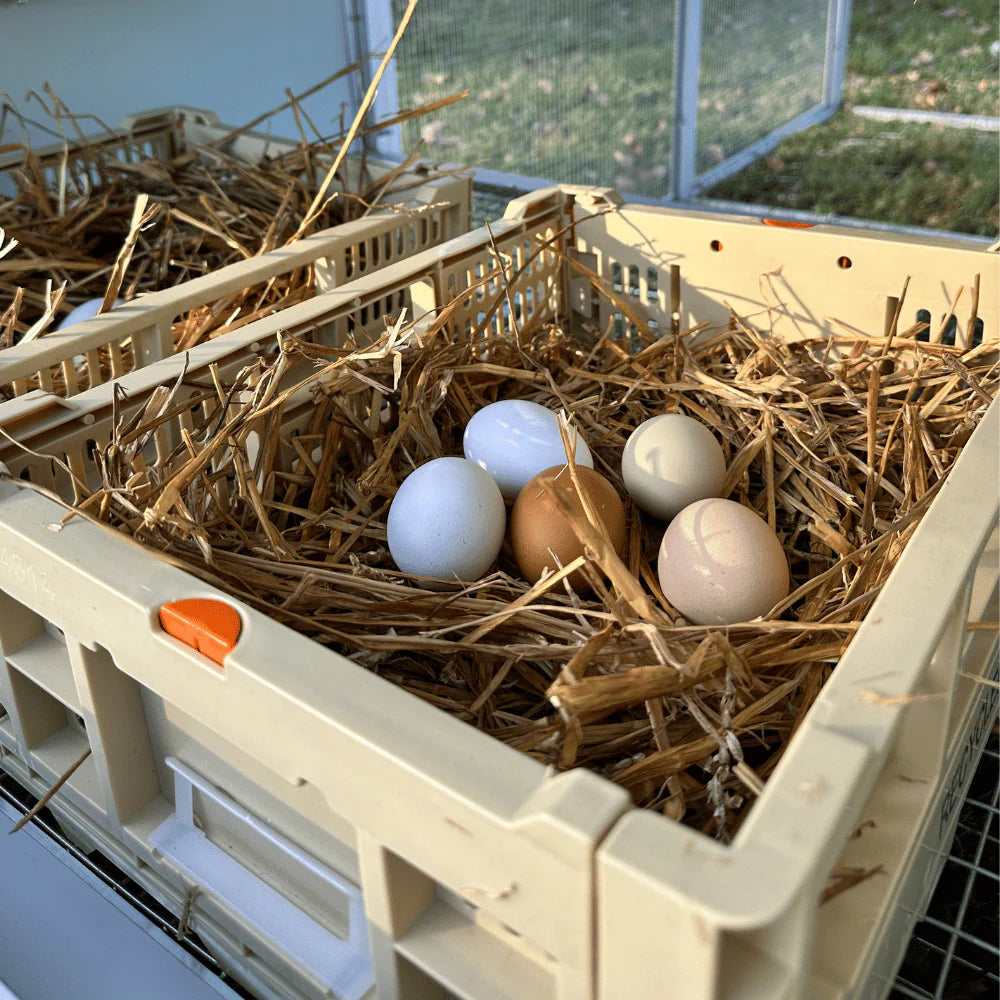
(953, 953)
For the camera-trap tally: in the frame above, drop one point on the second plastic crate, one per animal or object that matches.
(139, 332)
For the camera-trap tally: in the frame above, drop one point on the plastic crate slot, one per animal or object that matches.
(652, 285)
(950, 330)
(210, 626)
(344, 965)
(716, 245)
(977, 333)
(844, 262)
(748, 972)
(45, 662)
(57, 753)
(36, 652)
(633, 282)
(470, 961)
(924, 316)
(675, 299)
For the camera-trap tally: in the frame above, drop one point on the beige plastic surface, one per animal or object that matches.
(139, 333)
(485, 876)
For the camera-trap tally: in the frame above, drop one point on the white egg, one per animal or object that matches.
(671, 461)
(86, 310)
(447, 520)
(720, 563)
(514, 440)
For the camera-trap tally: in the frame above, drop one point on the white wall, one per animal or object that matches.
(235, 57)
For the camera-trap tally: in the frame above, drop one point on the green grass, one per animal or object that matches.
(582, 93)
(932, 55)
(914, 175)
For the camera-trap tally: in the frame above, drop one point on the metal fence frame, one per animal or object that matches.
(371, 26)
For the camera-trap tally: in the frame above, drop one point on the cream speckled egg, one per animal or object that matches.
(670, 461)
(515, 439)
(720, 563)
(447, 520)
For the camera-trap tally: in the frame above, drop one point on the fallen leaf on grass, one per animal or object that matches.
(927, 93)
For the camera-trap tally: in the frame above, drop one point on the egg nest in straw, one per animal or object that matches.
(691, 720)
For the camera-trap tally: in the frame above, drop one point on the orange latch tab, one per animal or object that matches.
(210, 626)
(787, 224)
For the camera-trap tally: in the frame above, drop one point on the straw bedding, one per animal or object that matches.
(841, 447)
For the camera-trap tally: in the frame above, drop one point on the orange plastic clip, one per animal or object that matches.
(210, 626)
(787, 224)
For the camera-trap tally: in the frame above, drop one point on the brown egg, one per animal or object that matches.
(537, 525)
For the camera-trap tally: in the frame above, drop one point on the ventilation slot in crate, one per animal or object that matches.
(472, 960)
(339, 960)
(44, 697)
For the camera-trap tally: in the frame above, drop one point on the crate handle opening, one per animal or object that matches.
(787, 224)
(210, 626)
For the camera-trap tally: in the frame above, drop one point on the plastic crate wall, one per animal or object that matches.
(481, 874)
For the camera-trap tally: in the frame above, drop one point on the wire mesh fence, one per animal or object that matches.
(761, 66)
(557, 90)
(640, 95)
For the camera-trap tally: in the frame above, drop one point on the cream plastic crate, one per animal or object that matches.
(483, 875)
(139, 332)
